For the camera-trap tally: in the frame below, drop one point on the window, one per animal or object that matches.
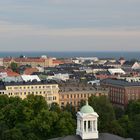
(54, 97)
(67, 96)
(62, 104)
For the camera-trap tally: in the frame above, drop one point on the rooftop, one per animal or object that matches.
(119, 82)
(26, 83)
(102, 136)
(87, 109)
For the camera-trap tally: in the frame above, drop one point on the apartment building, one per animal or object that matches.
(22, 89)
(121, 91)
(74, 97)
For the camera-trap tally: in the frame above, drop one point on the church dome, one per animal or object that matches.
(87, 109)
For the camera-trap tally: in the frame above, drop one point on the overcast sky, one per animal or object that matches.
(69, 25)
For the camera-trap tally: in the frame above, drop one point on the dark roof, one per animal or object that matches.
(118, 82)
(129, 63)
(2, 84)
(102, 136)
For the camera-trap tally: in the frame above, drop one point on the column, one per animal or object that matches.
(96, 125)
(86, 126)
(92, 126)
(82, 125)
(78, 124)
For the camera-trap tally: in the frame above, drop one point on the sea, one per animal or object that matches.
(72, 54)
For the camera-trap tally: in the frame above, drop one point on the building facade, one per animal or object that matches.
(22, 89)
(74, 97)
(121, 91)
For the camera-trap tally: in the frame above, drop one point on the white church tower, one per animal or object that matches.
(87, 123)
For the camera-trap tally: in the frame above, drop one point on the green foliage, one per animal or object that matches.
(31, 119)
(115, 128)
(119, 112)
(14, 66)
(71, 109)
(105, 111)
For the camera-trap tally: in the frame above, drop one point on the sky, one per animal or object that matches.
(69, 25)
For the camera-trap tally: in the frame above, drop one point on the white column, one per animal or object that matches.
(86, 126)
(82, 125)
(78, 124)
(92, 126)
(96, 125)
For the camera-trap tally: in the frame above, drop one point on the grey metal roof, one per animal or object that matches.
(120, 82)
(26, 83)
(102, 136)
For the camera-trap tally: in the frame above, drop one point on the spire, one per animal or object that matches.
(86, 102)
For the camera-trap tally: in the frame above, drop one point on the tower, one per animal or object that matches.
(87, 123)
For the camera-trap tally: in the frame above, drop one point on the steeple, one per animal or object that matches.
(87, 122)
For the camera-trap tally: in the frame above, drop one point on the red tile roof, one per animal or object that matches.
(29, 71)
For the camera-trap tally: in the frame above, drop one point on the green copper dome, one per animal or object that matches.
(86, 109)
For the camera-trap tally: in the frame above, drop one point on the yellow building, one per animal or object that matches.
(22, 89)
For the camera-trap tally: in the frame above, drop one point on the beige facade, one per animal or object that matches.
(74, 97)
(49, 91)
(34, 62)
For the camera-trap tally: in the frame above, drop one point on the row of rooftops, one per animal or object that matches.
(34, 82)
(120, 82)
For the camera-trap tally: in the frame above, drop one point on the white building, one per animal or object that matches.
(87, 123)
(59, 76)
(27, 78)
(116, 71)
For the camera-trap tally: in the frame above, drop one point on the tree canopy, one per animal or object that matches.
(33, 119)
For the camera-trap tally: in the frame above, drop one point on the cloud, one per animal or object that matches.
(16, 30)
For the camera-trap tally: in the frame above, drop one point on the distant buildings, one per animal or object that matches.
(122, 91)
(72, 93)
(32, 61)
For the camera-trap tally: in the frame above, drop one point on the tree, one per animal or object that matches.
(14, 66)
(126, 124)
(135, 131)
(133, 108)
(119, 112)
(105, 111)
(115, 128)
(55, 107)
(12, 134)
(4, 100)
(71, 109)
(36, 103)
(65, 125)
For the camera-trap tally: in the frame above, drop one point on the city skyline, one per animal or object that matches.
(76, 25)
